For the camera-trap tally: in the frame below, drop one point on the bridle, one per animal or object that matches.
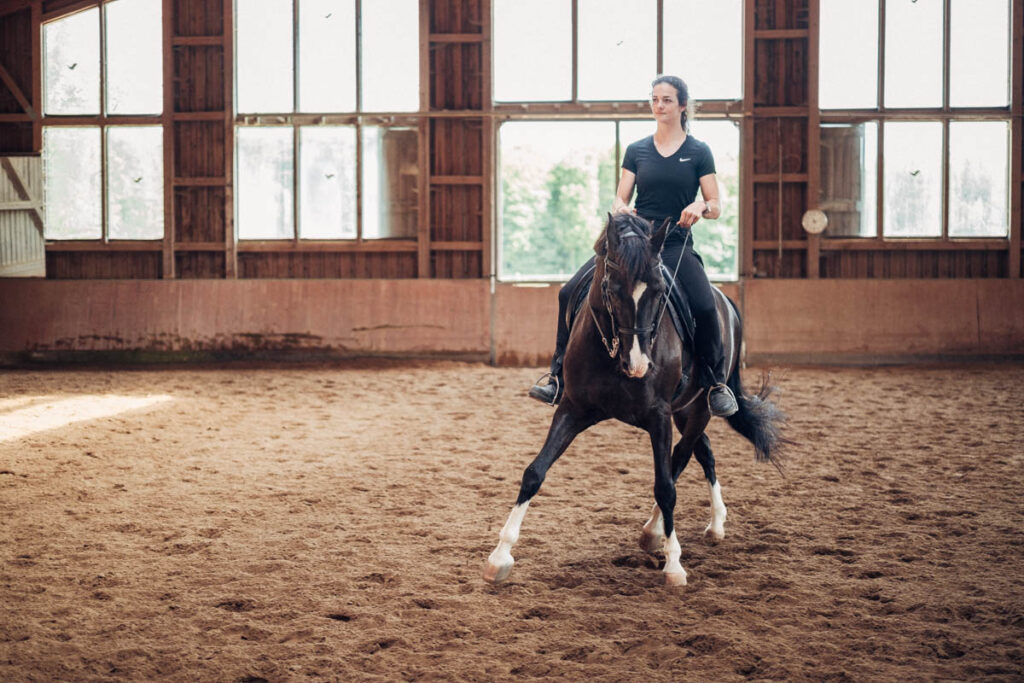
(612, 347)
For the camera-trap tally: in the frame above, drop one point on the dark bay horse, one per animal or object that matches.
(624, 362)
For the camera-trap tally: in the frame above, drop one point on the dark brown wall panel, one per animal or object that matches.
(793, 133)
(456, 213)
(791, 265)
(907, 264)
(457, 264)
(766, 90)
(198, 17)
(766, 211)
(456, 16)
(199, 264)
(16, 138)
(93, 265)
(780, 14)
(199, 214)
(455, 73)
(327, 265)
(198, 149)
(795, 91)
(198, 78)
(456, 147)
(16, 58)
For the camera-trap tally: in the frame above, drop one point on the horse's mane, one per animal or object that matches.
(627, 240)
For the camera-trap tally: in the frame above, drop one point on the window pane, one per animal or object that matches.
(848, 75)
(913, 179)
(617, 49)
(327, 182)
(135, 182)
(71, 168)
(978, 178)
(134, 57)
(849, 178)
(390, 174)
(327, 55)
(557, 183)
(264, 178)
(717, 241)
(72, 68)
(532, 50)
(979, 61)
(913, 53)
(710, 59)
(264, 53)
(391, 55)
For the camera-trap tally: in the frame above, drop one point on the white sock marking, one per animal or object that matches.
(718, 512)
(502, 554)
(655, 526)
(672, 554)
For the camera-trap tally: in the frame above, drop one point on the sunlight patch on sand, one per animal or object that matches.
(53, 414)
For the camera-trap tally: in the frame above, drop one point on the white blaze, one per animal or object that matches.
(638, 361)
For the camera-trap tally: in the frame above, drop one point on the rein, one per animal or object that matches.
(612, 347)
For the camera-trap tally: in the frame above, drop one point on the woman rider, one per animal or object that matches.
(666, 169)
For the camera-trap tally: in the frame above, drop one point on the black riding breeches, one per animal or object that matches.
(692, 279)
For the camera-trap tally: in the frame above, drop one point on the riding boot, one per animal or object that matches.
(711, 365)
(551, 390)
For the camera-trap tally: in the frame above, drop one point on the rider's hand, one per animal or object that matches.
(623, 209)
(692, 213)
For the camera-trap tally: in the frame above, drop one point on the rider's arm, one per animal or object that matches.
(709, 190)
(624, 193)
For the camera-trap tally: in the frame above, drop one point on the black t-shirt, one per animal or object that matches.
(667, 185)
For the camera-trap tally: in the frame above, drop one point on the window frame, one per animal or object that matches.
(104, 121)
(358, 119)
(944, 114)
(613, 111)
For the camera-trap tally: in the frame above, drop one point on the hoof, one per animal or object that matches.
(675, 578)
(496, 573)
(714, 535)
(651, 544)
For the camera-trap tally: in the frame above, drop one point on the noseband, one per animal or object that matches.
(612, 347)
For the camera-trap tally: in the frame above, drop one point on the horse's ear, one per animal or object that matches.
(611, 234)
(658, 240)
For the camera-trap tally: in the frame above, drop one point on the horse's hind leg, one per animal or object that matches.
(564, 428)
(716, 528)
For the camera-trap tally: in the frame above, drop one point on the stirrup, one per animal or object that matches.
(535, 390)
(735, 403)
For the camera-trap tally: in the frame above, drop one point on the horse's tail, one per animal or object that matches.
(758, 419)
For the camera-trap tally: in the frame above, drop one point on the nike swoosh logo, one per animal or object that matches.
(686, 159)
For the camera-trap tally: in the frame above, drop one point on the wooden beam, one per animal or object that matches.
(12, 6)
(27, 205)
(230, 242)
(1016, 140)
(456, 38)
(197, 41)
(780, 33)
(813, 134)
(199, 246)
(456, 246)
(457, 180)
(37, 74)
(70, 8)
(21, 189)
(168, 270)
(488, 153)
(23, 101)
(786, 177)
(287, 246)
(112, 246)
(424, 160)
(200, 116)
(220, 181)
(746, 246)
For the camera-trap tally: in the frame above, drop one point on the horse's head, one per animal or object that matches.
(632, 288)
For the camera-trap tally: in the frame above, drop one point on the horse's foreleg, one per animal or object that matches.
(564, 428)
(652, 538)
(665, 495)
(716, 528)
